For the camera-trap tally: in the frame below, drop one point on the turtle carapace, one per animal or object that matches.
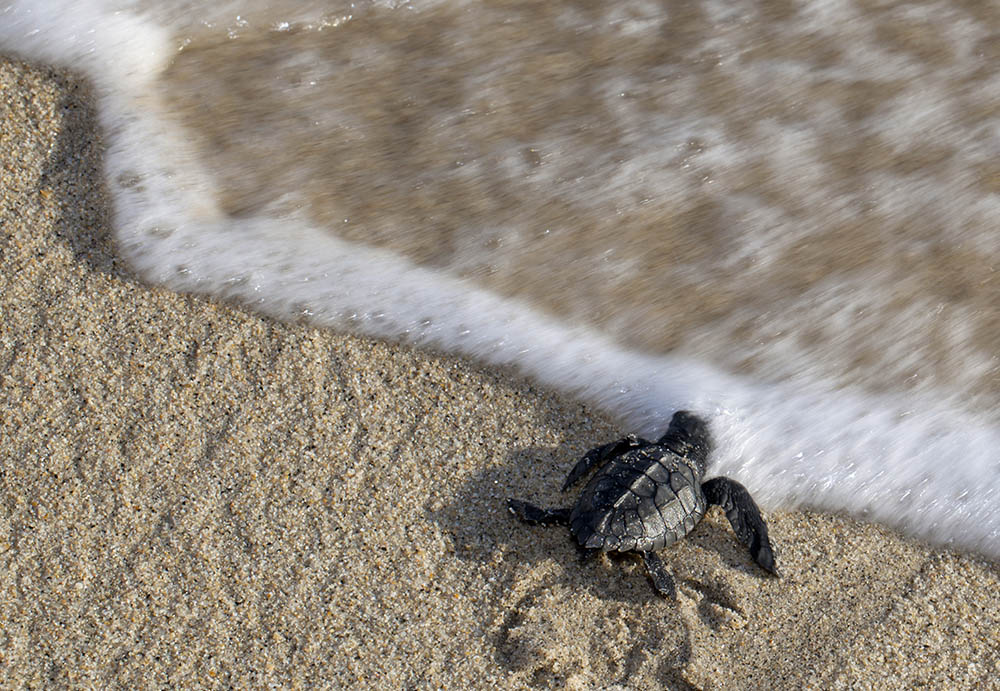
(647, 495)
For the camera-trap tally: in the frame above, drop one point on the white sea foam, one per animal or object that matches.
(918, 462)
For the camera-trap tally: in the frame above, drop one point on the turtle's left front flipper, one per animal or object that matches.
(744, 516)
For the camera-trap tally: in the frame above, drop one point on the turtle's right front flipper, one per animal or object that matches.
(599, 455)
(744, 516)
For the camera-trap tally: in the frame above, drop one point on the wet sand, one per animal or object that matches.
(196, 496)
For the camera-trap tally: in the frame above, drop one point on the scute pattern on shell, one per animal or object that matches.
(643, 500)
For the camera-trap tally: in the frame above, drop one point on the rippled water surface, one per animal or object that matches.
(748, 182)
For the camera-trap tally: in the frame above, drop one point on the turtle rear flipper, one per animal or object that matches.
(744, 516)
(658, 574)
(535, 515)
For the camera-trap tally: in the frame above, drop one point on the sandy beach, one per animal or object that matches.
(195, 496)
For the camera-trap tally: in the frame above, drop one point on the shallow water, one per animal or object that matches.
(780, 214)
(737, 186)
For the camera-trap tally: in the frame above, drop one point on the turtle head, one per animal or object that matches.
(689, 436)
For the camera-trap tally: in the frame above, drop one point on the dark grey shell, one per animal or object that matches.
(643, 500)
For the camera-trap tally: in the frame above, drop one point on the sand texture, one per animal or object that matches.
(194, 496)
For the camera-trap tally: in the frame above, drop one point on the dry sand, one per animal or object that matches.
(195, 496)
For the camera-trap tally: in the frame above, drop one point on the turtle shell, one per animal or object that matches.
(640, 501)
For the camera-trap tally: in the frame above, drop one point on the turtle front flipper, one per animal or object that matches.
(599, 455)
(744, 516)
(535, 515)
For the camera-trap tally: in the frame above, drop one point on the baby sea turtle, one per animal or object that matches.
(648, 495)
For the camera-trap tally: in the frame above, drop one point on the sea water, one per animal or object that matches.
(783, 215)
